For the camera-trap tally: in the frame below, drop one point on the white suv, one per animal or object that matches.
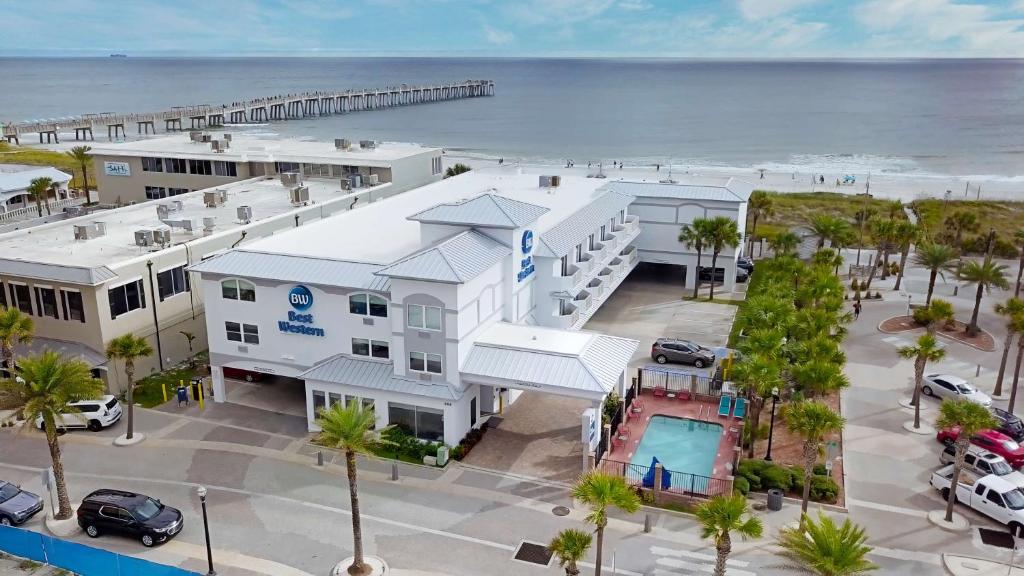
(982, 462)
(93, 415)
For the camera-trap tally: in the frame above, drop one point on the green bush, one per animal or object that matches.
(741, 484)
(824, 489)
(820, 470)
(611, 405)
(403, 446)
(776, 477)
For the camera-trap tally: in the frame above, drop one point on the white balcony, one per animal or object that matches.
(632, 224)
(611, 241)
(617, 264)
(569, 281)
(582, 301)
(596, 288)
(597, 251)
(629, 254)
(586, 264)
(566, 315)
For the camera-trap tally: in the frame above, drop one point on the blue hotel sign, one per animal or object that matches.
(526, 264)
(301, 299)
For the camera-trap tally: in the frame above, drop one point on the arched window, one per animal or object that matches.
(368, 305)
(235, 289)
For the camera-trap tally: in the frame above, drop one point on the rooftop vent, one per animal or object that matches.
(367, 144)
(204, 137)
(299, 195)
(208, 225)
(550, 181)
(143, 238)
(290, 179)
(220, 146)
(187, 225)
(215, 198)
(346, 184)
(355, 181)
(90, 231)
(372, 180)
(162, 237)
(342, 144)
(227, 137)
(195, 136)
(244, 214)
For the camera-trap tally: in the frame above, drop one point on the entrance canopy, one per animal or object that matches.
(70, 350)
(568, 363)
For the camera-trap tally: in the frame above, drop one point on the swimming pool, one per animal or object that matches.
(680, 444)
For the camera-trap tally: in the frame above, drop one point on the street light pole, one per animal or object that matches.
(771, 427)
(206, 528)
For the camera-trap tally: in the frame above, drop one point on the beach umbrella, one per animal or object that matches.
(648, 480)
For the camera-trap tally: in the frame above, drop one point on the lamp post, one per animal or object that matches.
(206, 529)
(771, 427)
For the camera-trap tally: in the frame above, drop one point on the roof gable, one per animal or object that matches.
(456, 260)
(486, 211)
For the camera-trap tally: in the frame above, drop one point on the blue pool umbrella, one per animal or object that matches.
(648, 480)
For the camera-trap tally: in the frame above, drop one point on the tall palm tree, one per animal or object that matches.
(350, 429)
(39, 189)
(1018, 237)
(757, 375)
(1016, 372)
(828, 227)
(811, 322)
(81, 155)
(1013, 311)
(927, 350)
(985, 275)
(884, 234)
(570, 546)
(812, 421)
(784, 243)
(601, 491)
(759, 205)
(937, 259)
(695, 236)
(970, 418)
(817, 348)
(16, 327)
(819, 378)
(719, 517)
(905, 235)
(765, 311)
(825, 549)
(46, 384)
(722, 232)
(129, 348)
(959, 222)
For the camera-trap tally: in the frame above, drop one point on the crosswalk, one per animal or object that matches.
(674, 562)
(950, 364)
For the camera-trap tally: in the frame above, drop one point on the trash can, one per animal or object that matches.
(775, 499)
(195, 389)
(442, 455)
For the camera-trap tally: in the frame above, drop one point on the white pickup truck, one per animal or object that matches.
(991, 495)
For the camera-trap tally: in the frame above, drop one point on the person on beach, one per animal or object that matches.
(856, 309)
(822, 179)
(501, 161)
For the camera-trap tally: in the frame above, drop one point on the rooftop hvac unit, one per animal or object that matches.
(143, 237)
(290, 179)
(355, 180)
(227, 137)
(215, 198)
(367, 144)
(162, 237)
(556, 181)
(299, 195)
(177, 205)
(372, 180)
(90, 231)
(244, 214)
(100, 227)
(345, 184)
(206, 138)
(218, 146)
(163, 211)
(549, 181)
(74, 211)
(186, 224)
(342, 144)
(195, 136)
(209, 224)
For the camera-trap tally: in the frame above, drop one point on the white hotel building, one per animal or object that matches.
(438, 305)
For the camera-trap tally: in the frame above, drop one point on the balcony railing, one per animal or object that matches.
(566, 314)
(597, 251)
(586, 264)
(632, 223)
(616, 264)
(596, 288)
(567, 281)
(582, 301)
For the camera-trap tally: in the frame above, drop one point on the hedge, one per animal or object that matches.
(761, 475)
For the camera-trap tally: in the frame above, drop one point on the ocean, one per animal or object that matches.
(896, 117)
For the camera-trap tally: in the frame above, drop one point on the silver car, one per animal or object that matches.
(17, 505)
(681, 351)
(953, 387)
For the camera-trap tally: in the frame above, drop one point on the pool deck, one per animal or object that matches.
(664, 406)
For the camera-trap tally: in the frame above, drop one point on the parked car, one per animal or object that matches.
(990, 440)
(128, 514)
(93, 415)
(982, 462)
(991, 495)
(681, 352)
(746, 263)
(705, 274)
(239, 374)
(1009, 424)
(17, 505)
(954, 388)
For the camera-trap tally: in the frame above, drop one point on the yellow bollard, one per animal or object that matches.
(163, 388)
(200, 395)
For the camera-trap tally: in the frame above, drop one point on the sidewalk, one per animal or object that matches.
(13, 566)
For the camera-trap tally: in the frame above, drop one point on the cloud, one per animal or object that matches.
(970, 29)
(557, 12)
(498, 37)
(316, 10)
(640, 5)
(761, 9)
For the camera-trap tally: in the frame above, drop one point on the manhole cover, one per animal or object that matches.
(560, 511)
(533, 553)
(996, 538)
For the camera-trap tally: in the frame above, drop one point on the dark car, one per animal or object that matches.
(17, 505)
(746, 263)
(129, 514)
(681, 351)
(239, 374)
(1009, 424)
(705, 274)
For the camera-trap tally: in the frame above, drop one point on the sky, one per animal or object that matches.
(556, 28)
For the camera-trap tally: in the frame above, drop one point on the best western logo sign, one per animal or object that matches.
(526, 263)
(301, 299)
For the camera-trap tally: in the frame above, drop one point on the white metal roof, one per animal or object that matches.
(486, 210)
(728, 190)
(285, 268)
(563, 237)
(376, 375)
(455, 260)
(20, 180)
(71, 274)
(67, 349)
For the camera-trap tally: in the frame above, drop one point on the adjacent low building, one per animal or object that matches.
(158, 168)
(15, 180)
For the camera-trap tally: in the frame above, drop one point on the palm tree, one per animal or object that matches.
(719, 517)
(599, 491)
(884, 234)
(722, 232)
(828, 227)
(927, 350)
(757, 375)
(817, 348)
(1018, 236)
(570, 546)
(1016, 372)
(812, 421)
(759, 205)
(970, 418)
(456, 169)
(905, 235)
(811, 322)
(1013, 311)
(825, 549)
(937, 258)
(985, 274)
(39, 189)
(783, 243)
(766, 311)
(46, 384)
(959, 222)
(938, 312)
(80, 154)
(695, 236)
(16, 327)
(129, 348)
(818, 378)
(350, 429)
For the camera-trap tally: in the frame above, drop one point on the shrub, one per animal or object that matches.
(856, 295)
(820, 470)
(612, 403)
(824, 489)
(854, 285)
(776, 477)
(878, 295)
(741, 484)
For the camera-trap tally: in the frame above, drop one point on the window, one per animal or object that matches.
(995, 498)
(424, 317)
(323, 170)
(171, 282)
(424, 362)
(435, 165)
(175, 165)
(21, 298)
(127, 297)
(155, 192)
(472, 412)
(222, 168)
(360, 347)
(248, 333)
(46, 302)
(368, 304)
(72, 304)
(423, 423)
(200, 167)
(374, 348)
(152, 164)
(281, 167)
(238, 290)
(319, 402)
(333, 398)
(367, 403)
(177, 191)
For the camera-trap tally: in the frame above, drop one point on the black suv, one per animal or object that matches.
(129, 514)
(1009, 424)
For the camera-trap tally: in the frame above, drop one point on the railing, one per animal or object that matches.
(569, 281)
(673, 380)
(597, 251)
(596, 288)
(586, 263)
(567, 314)
(632, 223)
(582, 300)
(33, 211)
(682, 483)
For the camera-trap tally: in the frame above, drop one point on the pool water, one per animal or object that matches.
(680, 444)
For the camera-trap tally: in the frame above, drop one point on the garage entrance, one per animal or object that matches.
(661, 274)
(270, 392)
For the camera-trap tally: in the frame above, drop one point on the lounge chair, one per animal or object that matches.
(623, 432)
(740, 411)
(638, 406)
(617, 443)
(660, 392)
(683, 395)
(724, 406)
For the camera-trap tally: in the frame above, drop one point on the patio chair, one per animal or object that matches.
(724, 406)
(623, 432)
(660, 392)
(740, 411)
(683, 395)
(638, 406)
(617, 443)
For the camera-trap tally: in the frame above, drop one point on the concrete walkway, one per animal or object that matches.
(14, 566)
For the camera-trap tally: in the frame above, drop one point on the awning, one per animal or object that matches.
(65, 348)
